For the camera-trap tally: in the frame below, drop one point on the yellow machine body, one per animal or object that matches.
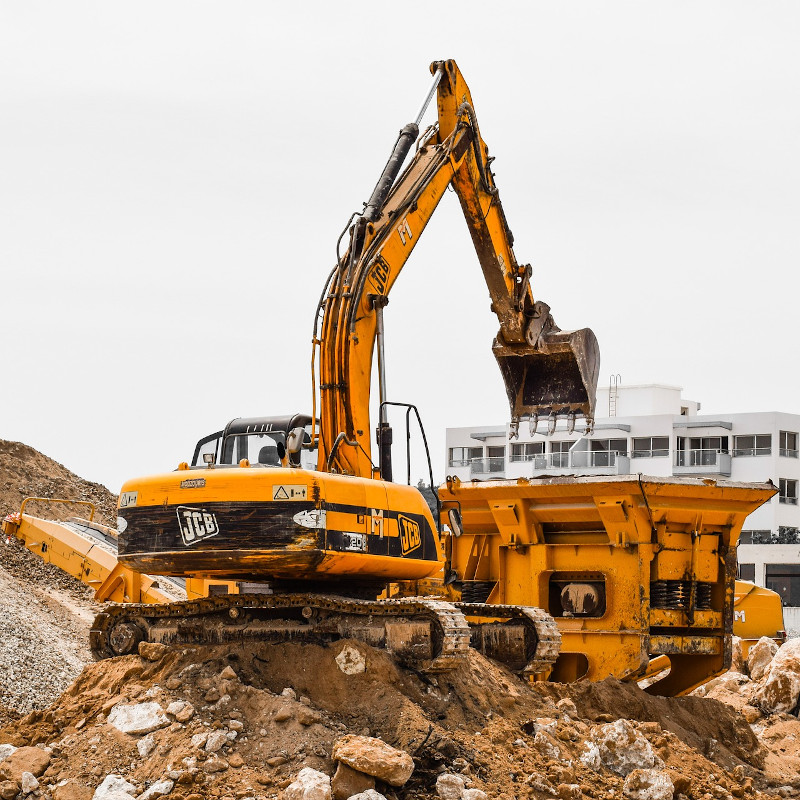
(262, 524)
(757, 612)
(630, 567)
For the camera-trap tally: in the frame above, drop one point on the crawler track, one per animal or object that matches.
(424, 633)
(527, 641)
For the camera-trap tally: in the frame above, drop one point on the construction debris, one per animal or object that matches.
(203, 723)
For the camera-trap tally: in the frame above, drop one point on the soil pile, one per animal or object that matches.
(25, 472)
(215, 723)
(273, 720)
(46, 614)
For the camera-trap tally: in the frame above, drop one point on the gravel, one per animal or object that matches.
(44, 630)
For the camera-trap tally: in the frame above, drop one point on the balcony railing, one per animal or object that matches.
(487, 466)
(790, 501)
(752, 451)
(788, 453)
(702, 462)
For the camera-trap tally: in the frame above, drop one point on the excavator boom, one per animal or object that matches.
(546, 371)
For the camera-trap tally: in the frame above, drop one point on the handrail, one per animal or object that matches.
(57, 500)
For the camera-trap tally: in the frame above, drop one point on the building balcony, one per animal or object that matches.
(702, 462)
(571, 463)
(487, 467)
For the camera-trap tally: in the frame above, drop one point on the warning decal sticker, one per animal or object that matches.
(284, 491)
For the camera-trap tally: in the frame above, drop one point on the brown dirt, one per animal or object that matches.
(25, 472)
(476, 719)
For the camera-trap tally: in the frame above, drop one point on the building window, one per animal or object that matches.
(560, 453)
(602, 453)
(755, 537)
(463, 456)
(753, 445)
(526, 451)
(650, 447)
(747, 572)
(788, 444)
(788, 491)
(785, 534)
(700, 451)
(785, 580)
(495, 460)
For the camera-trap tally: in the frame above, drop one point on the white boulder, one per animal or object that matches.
(138, 718)
(309, 785)
(648, 784)
(759, 657)
(114, 787)
(449, 786)
(618, 746)
(780, 686)
(158, 789)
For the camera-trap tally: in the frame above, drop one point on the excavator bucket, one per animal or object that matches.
(557, 375)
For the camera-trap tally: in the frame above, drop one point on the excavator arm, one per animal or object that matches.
(546, 371)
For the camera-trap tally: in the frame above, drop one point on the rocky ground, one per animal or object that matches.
(308, 721)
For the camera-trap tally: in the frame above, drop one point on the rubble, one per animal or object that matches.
(780, 687)
(283, 721)
(759, 657)
(138, 718)
(309, 785)
(648, 784)
(374, 757)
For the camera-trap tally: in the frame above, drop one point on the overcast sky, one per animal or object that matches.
(174, 176)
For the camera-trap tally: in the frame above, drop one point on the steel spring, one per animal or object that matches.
(703, 598)
(476, 591)
(669, 595)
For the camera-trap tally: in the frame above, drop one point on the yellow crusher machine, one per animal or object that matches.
(321, 543)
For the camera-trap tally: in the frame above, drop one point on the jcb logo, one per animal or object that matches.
(196, 524)
(409, 534)
(379, 274)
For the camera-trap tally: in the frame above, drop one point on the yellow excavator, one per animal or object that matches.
(318, 546)
(559, 577)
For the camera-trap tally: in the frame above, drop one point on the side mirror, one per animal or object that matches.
(294, 441)
(454, 518)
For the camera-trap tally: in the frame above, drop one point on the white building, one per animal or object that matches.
(652, 430)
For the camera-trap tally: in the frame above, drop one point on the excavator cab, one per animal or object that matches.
(263, 441)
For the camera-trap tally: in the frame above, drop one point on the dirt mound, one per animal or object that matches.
(243, 723)
(25, 472)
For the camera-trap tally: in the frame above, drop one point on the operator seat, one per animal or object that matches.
(269, 455)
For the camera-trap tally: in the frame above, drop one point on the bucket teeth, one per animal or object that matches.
(555, 376)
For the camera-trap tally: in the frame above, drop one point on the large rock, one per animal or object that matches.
(449, 786)
(309, 785)
(158, 789)
(347, 781)
(648, 784)
(6, 750)
(759, 657)
(24, 759)
(138, 719)
(369, 794)
(374, 757)
(29, 783)
(70, 789)
(114, 787)
(619, 747)
(780, 686)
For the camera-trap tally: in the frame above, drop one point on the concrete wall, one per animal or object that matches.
(791, 619)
